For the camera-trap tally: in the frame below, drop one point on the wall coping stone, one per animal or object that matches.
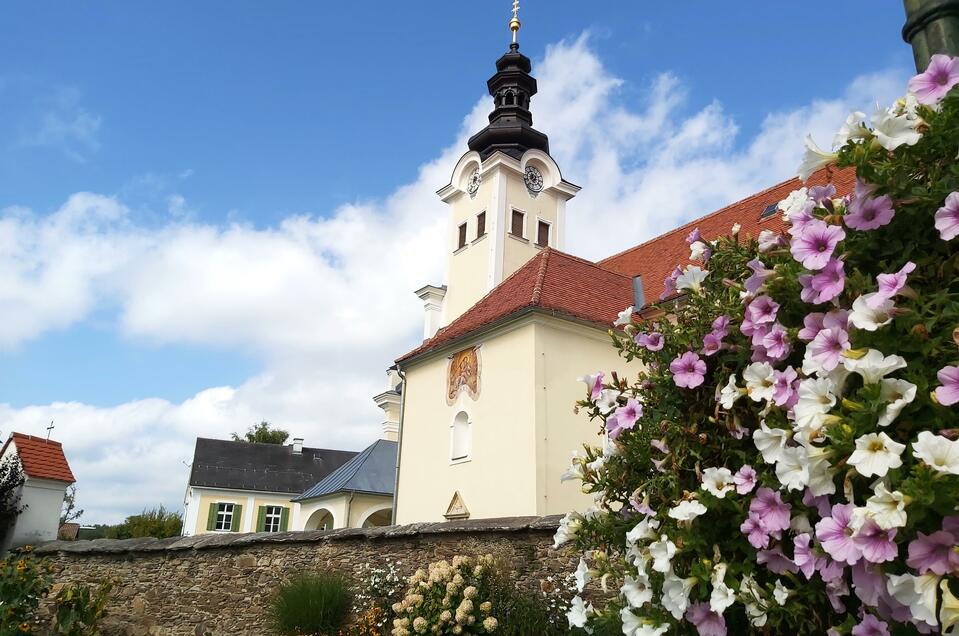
(215, 540)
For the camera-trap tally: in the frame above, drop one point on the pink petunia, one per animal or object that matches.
(828, 282)
(776, 342)
(934, 553)
(889, 285)
(947, 218)
(745, 479)
(688, 370)
(835, 535)
(803, 555)
(651, 341)
(762, 309)
(828, 346)
(875, 544)
(769, 507)
(626, 417)
(812, 325)
(948, 393)
(756, 533)
(776, 561)
(814, 246)
(866, 212)
(720, 326)
(937, 80)
(759, 275)
(784, 387)
(870, 626)
(712, 343)
(705, 620)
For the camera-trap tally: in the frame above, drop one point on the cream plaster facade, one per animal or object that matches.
(522, 423)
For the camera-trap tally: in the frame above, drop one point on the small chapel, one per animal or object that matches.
(487, 422)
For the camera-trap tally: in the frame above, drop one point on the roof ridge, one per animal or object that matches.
(829, 176)
(36, 437)
(540, 277)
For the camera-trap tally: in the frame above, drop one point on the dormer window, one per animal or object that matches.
(461, 239)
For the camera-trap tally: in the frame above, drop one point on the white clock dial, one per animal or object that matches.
(473, 183)
(533, 179)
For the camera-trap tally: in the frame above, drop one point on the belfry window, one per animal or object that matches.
(481, 224)
(461, 437)
(461, 240)
(518, 221)
(542, 233)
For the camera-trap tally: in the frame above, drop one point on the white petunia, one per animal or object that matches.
(753, 600)
(876, 454)
(578, 612)
(691, 279)
(821, 472)
(582, 575)
(873, 366)
(607, 401)
(722, 596)
(730, 393)
(898, 394)
(625, 316)
(687, 510)
(866, 318)
(781, 592)
(718, 481)
(770, 442)
(887, 508)
(852, 129)
(794, 203)
(675, 598)
(636, 591)
(662, 552)
(792, 468)
(893, 130)
(568, 527)
(814, 159)
(697, 250)
(918, 593)
(938, 452)
(816, 398)
(635, 626)
(643, 531)
(760, 381)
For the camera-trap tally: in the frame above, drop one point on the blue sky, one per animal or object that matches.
(221, 134)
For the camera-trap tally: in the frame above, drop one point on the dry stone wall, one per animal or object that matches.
(217, 584)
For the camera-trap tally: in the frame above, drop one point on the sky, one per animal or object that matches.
(216, 213)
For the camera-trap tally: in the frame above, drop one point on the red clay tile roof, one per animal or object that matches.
(656, 258)
(551, 281)
(597, 292)
(41, 458)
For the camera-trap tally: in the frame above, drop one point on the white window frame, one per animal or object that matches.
(549, 232)
(272, 518)
(510, 232)
(467, 456)
(224, 516)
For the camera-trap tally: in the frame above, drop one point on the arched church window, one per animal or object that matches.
(461, 437)
(510, 100)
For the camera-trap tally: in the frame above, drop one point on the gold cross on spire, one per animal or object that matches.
(514, 23)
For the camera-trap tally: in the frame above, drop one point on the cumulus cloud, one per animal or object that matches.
(324, 300)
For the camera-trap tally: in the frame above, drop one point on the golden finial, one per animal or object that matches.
(514, 23)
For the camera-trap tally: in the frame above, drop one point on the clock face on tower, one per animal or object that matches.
(473, 183)
(533, 179)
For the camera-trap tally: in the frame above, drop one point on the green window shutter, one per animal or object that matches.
(261, 519)
(284, 519)
(211, 518)
(237, 518)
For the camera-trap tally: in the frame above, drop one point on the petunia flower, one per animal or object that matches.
(827, 348)
(755, 532)
(686, 510)
(722, 595)
(948, 609)
(776, 342)
(852, 129)
(651, 341)
(795, 202)
(870, 626)
(918, 593)
(948, 393)
(815, 322)
(582, 575)
(636, 591)
(675, 597)
(691, 279)
(814, 246)
(866, 212)
(607, 401)
(776, 561)
(770, 442)
(594, 384)
(873, 366)
(759, 381)
(835, 535)
(662, 552)
(759, 275)
(803, 556)
(712, 343)
(937, 80)
(718, 481)
(688, 370)
(769, 240)
(814, 159)
(705, 620)
(934, 553)
(893, 130)
(636, 626)
(792, 468)
(730, 393)
(875, 544)
(770, 509)
(625, 316)
(890, 285)
(625, 418)
(937, 452)
(897, 394)
(887, 508)
(762, 309)
(784, 387)
(745, 479)
(578, 612)
(869, 318)
(827, 283)
(947, 218)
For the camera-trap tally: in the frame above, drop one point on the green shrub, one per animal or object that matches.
(522, 613)
(23, 581)
(311, 604)
(79, 609)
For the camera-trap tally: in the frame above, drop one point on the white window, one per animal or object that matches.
(271, 521)
(461, 437)
(224, 517)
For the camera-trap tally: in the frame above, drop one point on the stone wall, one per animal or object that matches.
(217, 584)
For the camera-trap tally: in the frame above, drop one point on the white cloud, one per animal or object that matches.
(67, 126)
(325, 300)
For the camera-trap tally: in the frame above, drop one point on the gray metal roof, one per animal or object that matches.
(372, 471)
(220, 463)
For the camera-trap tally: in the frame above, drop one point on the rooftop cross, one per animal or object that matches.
(514, 22)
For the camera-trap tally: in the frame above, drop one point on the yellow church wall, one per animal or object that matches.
(566, 351)
(469, 265)
(499, 477)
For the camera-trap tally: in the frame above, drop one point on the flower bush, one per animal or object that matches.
(450, 597)
(788, 460)
(378, 587)
(24, 580)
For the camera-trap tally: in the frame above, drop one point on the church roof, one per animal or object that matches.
(657, 257)
(597, 292)
(551, 281)
(41, 458)
(373, 471)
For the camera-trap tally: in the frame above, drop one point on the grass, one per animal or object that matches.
(311, 605)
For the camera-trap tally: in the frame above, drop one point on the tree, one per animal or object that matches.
(262, 433)
(11, 479)
(157, 522)
(70, 511)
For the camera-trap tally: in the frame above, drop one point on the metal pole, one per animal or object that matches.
(932, 26)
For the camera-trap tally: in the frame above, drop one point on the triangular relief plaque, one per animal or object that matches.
(457, 508)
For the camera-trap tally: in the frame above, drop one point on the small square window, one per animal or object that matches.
(461, 241)
(481, 224)
(271, 520)
(224, 517)
(542, 233)
(516, 227)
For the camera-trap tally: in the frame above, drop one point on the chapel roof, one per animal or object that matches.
(596, 292)
(40, 458)
(551, 281)
(373, 471)
(232, 465)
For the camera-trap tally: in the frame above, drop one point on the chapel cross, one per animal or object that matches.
(50, 430)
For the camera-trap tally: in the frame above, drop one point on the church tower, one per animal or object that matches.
(507, 197)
